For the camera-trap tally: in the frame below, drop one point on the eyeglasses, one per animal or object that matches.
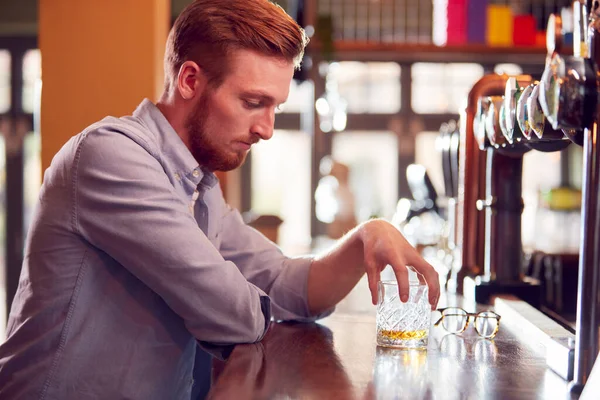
(456, 320)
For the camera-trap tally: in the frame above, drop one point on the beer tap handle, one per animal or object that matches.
(493, 123)
(568, 87)
(554, 35)
(538, 133)
(479, 123)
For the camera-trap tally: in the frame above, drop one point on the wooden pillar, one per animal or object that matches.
(99, 58)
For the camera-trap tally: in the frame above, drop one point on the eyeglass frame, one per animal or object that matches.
(469, 315)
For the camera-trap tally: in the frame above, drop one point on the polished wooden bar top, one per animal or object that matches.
(337, 358)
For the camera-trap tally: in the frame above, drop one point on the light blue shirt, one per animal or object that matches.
(126, 267)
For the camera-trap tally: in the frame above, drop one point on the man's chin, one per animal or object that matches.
(232, 164)
(222, 164)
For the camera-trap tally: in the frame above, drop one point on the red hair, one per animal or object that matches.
(207, 31)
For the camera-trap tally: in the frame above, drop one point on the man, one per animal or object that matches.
(133, 256)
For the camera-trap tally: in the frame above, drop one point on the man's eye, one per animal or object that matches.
(252, 104)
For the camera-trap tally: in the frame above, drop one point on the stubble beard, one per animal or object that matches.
(203, 147)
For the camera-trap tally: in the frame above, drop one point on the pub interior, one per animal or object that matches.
(471, 125)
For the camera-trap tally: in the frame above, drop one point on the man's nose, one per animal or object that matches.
(265, 126)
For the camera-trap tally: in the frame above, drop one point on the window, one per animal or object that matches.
(281, 169)
(373, 161)
(442, 88)
(533, 183)
(299, 98)
(5, 104)
(32, 73)
(372, 87)
(32, 149)
(32, 176)
(4, 81)
(3, 311)
(428, 155)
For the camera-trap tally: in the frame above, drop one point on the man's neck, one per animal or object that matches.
(174, 114)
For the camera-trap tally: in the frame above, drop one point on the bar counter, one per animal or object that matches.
(337, 358)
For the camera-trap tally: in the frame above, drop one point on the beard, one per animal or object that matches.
(204, 148)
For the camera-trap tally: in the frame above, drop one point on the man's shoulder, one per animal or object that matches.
(113, 129)
(104, 145)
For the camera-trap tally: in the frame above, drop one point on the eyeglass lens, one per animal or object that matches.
(455, 320)
(486, 324)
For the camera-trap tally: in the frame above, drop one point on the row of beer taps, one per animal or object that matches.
(513, 115)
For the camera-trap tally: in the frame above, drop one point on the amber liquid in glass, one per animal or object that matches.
(403, 335)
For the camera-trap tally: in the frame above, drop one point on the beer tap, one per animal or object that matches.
(569, 98)
(508, 136)
(496, 132)
(537, 133)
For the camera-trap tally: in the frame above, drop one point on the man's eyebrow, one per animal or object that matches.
(266, 98)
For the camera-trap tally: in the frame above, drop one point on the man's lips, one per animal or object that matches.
(246, 145)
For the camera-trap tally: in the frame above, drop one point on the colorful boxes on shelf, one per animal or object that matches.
(484, 22)
(524, 30)
(477, 25)
(499, 25)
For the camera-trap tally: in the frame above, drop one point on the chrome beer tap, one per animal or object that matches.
(569, 98)
(496, 133)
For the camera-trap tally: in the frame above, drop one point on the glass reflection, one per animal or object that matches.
(400, 374)
(478, 360)
(480, 350)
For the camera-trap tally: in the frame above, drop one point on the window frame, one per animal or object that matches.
(406, 119)
(14, 223)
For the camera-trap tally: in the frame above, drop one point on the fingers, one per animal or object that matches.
(384, 244)
(373, 275)
(432, 278)
(420, 276)
(403, 284)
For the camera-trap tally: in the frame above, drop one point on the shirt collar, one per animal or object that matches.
(172, 147)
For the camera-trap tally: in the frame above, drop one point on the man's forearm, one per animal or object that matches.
(369, 248)
(333, 274)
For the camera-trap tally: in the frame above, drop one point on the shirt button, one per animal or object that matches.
(196, 173)
(178, 177)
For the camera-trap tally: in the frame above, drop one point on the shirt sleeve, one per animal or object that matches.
(125, 205)
(284, 279)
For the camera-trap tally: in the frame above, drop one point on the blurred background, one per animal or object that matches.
(382, 80)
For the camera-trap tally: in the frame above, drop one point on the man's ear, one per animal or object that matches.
(191, 80)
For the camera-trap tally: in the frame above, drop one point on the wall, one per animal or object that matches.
(98, 58)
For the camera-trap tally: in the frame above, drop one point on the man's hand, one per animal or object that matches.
(384, 245)
(369, 248)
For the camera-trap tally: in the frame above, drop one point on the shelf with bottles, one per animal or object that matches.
(436, 29)
(406, 52)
